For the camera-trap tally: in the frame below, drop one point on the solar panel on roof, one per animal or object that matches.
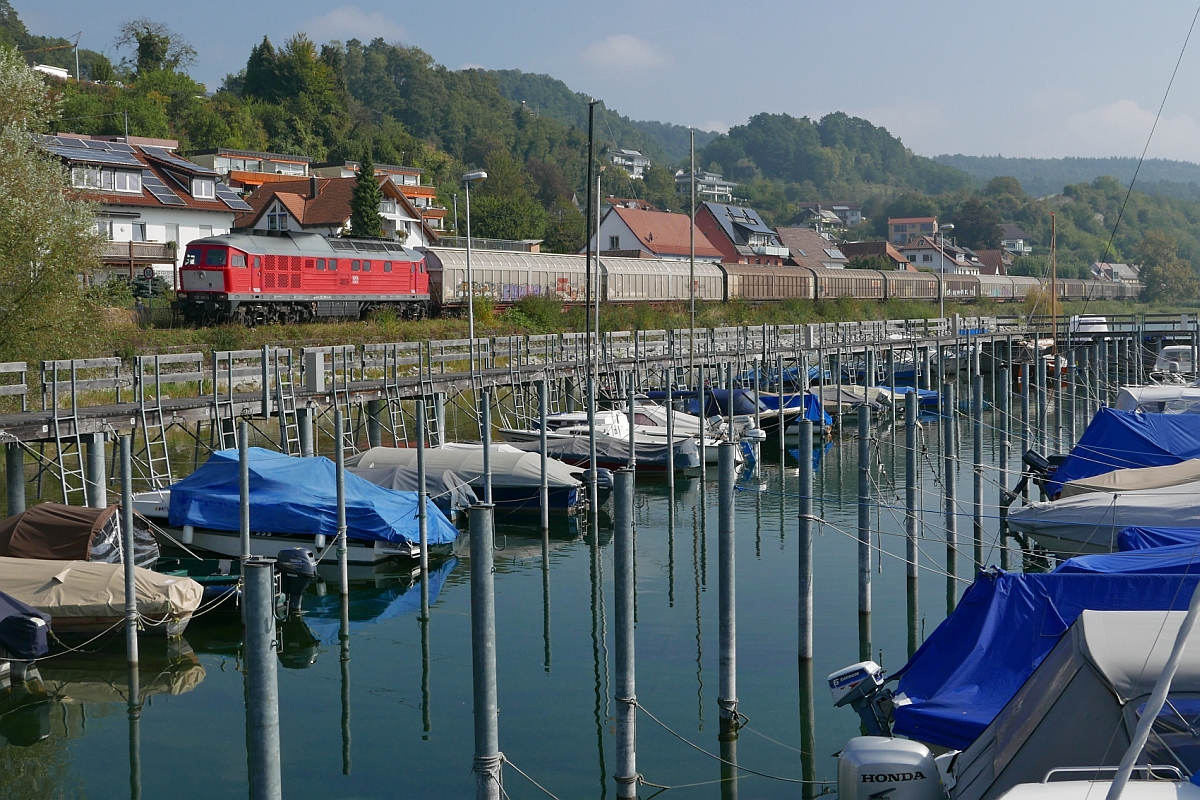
(94, 156)
(93, 144)
(162, 154)
(66, 141)
(230, 198)
(161, 193)
(120, 147)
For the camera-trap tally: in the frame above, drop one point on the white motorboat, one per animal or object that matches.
(649, 427)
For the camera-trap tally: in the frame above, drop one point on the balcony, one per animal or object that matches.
(138, 253)
(770, 250)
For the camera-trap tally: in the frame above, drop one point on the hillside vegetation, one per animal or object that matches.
(1043, 176)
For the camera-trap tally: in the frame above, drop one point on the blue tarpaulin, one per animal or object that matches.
(1173, 559)
(1146, 538)
(1128, 439)
(1005, 624)
(716, 401)
(369, 606)
(299, 496)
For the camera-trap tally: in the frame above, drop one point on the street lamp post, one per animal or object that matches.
(941, 256)
(468, 179)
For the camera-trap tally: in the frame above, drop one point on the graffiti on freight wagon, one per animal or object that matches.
(511, 292)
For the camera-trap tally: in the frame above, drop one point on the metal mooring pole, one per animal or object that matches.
(483, 654)
(262, 681)
(626, 695)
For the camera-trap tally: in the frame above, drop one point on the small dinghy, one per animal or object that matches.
(70, 533)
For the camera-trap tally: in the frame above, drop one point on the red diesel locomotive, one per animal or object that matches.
(256, 279)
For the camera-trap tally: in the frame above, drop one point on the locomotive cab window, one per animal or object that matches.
(238, 260)
(214, 258)
(320, 264)
(191, 258)
(354, 266)
(387, 266)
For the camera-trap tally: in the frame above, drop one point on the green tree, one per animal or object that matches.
(364, 204)
(47, 235)
(155, 47)
(976, 224)
(881, 263)
(564, 228)
(1164, 274)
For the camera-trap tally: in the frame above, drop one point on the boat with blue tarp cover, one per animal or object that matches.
(293, 502)
(1138, 538)
(1127, 439)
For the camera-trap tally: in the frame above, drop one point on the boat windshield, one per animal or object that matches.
(1175, 736)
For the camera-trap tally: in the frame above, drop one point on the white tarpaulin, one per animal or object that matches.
(1089, 523)
(510, 466)
(86, 590)
(1133, 480)
(1167, 399)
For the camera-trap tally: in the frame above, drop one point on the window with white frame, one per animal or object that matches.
(277, 218)
(204, 188)
(85, 177)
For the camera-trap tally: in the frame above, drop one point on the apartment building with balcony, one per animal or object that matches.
(632, 161)
(711, 187)
(150, 202)
(246, 170)
(902, 230)
(740, 234)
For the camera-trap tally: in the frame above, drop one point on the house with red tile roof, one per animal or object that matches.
(652, 234)
(812, 248)
(994, 262)
(322, 205)
(898, 260)
(149, 202)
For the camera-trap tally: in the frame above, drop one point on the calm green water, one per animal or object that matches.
(369, 728)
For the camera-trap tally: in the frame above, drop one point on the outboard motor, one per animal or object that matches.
(861, 686)
(880, 768)
(297, 569)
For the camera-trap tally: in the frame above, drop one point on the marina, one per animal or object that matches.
(365, 675)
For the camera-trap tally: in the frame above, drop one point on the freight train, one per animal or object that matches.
(297, 277)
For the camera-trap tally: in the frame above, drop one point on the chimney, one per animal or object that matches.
(312, 187)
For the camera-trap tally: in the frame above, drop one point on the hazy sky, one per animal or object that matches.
(1010, 77)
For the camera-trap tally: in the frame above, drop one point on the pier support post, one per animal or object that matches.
(977, 464)
(543, 486)
(801, 365)
(374, 423)
(670, 405)
(1025, 434)
(483, 654)
(244, 486)
(1073, 390)
(911, 529)
(485, 427)
(14, 476)
(97, 474)
(1005, 431)
(951, 517)
(304, 422)
(1041, 404)
(727, 576)
(127, 553)
(805, 650)
(626, 695)
(339, 462)
(262, 681)
(864, 531)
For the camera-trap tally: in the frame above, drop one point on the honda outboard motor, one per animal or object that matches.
(880, 768)
(861, 686)
(297, 569)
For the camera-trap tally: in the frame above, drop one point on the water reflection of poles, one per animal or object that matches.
(671, 547)
(864, 532)
(805, 649)
(544, 496)
(727, 601)
(596, 599)
(344, 643)
(697, 557)
(626, 695)
(131, 613)
(423, 532)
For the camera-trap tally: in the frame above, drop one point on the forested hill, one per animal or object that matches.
(1043, 176)
(836, 155)
(549, 97)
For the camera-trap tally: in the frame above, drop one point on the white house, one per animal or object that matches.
(1015, 240)
(641, 233)
(711, 187)
(150, 202)
(940, 256)
(632, 161)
